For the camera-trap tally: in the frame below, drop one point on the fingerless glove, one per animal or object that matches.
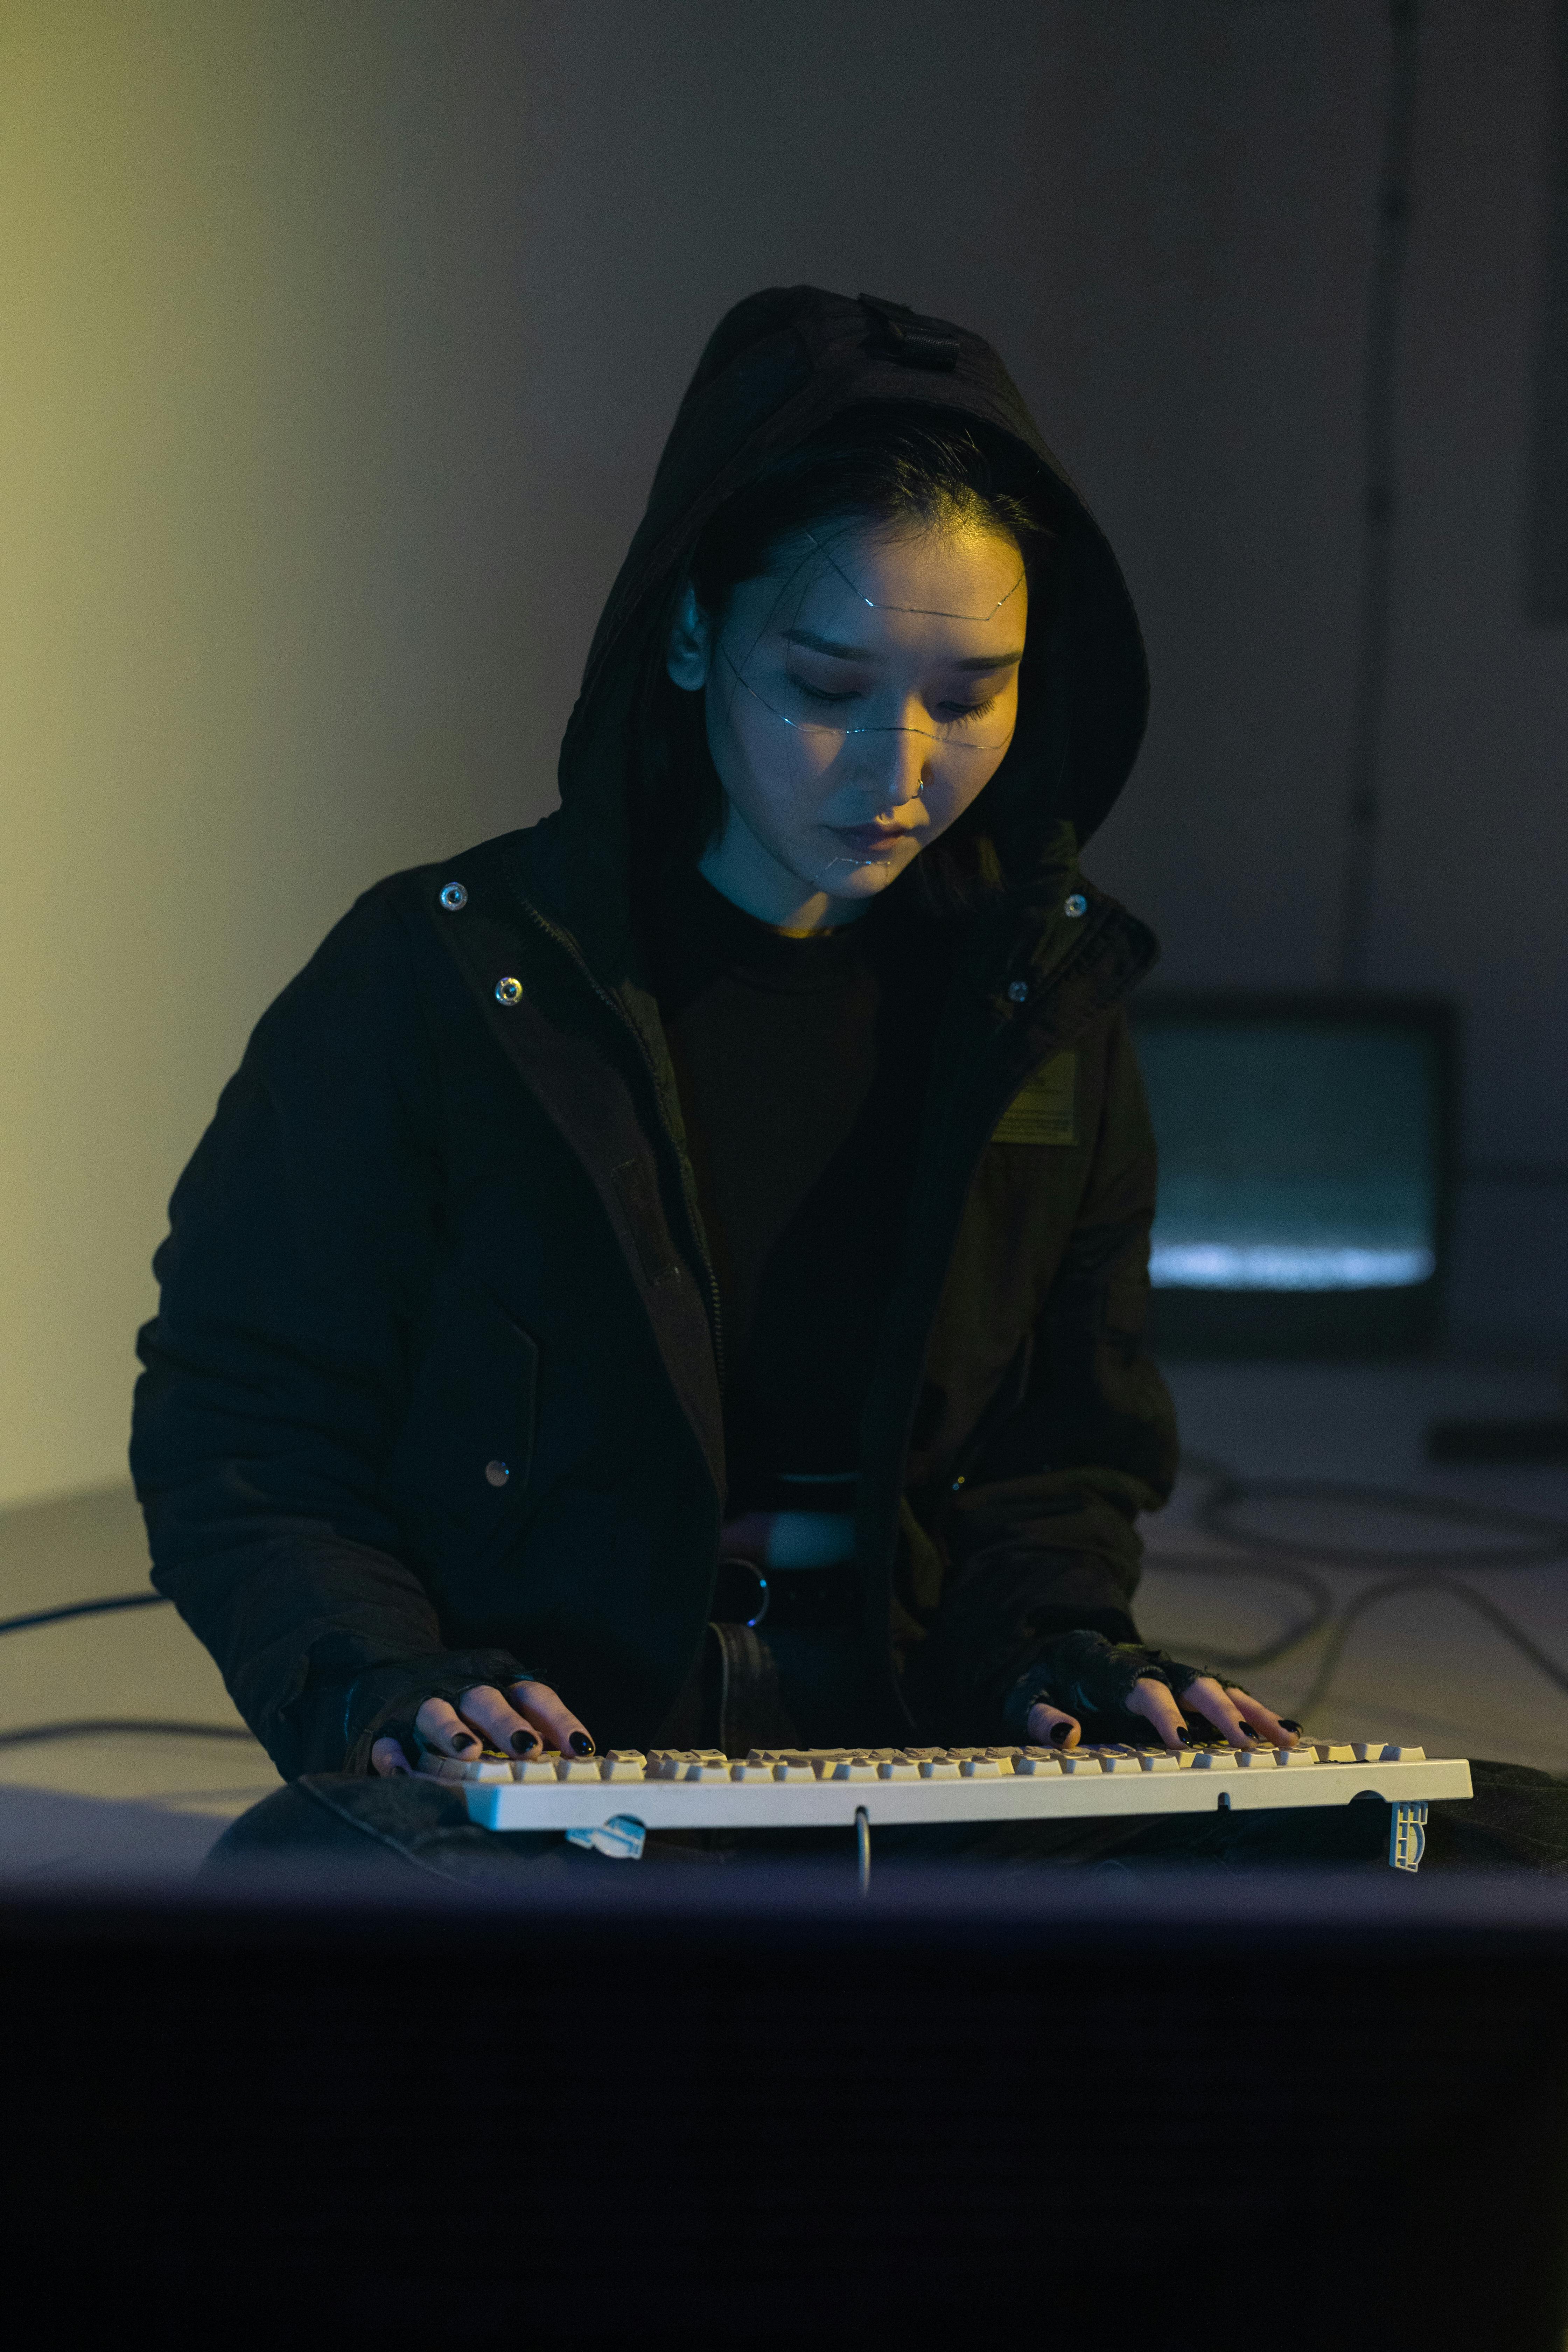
(1084, 1674)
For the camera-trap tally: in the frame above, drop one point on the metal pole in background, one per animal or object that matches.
(1379, 395)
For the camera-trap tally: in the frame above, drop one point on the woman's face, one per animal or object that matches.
(858, 699)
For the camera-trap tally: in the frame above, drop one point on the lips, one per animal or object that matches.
(867, 837)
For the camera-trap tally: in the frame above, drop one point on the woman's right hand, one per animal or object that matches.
(526, 1717)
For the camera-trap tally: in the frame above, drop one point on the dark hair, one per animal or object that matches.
(892, 464)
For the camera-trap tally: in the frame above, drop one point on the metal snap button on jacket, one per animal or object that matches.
(497, 1472)
(1077, 904)
(453, 897)
(509, 990)
(1019, 992)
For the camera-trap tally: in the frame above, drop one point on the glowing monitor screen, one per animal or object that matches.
(1294, 1155)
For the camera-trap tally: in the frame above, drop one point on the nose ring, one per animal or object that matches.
(920, 795)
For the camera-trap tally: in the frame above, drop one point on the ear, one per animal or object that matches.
(690, 652)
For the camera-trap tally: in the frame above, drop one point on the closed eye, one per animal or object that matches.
(959, 710)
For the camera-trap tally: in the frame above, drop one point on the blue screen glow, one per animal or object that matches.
(1293, 1155)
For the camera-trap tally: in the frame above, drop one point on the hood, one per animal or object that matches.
(779, 365)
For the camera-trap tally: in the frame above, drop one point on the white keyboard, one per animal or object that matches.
(824, 1788)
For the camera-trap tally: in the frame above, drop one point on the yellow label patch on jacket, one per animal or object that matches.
(1045, 1108)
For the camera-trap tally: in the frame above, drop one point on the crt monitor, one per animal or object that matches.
(1305, 1171)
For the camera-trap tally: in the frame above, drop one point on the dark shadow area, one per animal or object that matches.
(756, 2110)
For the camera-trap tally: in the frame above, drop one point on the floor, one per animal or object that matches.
(1421, 1666)
(107, 1803)
(1424, 1666)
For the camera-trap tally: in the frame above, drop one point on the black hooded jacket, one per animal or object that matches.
(434, 1393)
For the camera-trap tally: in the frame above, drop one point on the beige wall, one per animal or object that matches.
(234, 680)
(339, 338)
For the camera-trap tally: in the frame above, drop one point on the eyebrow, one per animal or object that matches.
(814, 643)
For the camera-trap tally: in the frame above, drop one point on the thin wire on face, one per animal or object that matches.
(933, 611)
(951, 737)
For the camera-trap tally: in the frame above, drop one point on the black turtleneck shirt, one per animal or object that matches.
(801, 1066)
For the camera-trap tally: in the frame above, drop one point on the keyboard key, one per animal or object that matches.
(898, 1767)
(622, 1764)
(980, 1767)
(578, 1767)
(938, 1768)
(1213, 1760)
(1295, 1755)
(749, 1771)
(1158, 1759)
(708, 1768)
(853, 1768)
(532, 1768)
(1030, 1767)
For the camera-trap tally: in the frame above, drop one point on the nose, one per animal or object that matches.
(898, 764)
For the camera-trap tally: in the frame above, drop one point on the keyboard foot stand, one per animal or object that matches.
(863, 1847)
(1407, 1836)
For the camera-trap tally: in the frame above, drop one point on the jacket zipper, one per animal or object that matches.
(569, 947)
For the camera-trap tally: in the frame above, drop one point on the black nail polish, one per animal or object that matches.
(581, 1744)
(523, 1742)
(1060, 1734)
(1185, 1738)
(1287, 1724)
(464, 1740)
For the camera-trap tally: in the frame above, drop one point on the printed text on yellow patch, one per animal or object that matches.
(1043, 1110)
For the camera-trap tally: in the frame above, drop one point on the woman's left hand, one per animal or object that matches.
(1235, 1714)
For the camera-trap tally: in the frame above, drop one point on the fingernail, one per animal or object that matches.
(1060, 1733)
(1288, 1724)
(1185, 1738)
(464, 1739)
(523, 1740)
(581, 1744)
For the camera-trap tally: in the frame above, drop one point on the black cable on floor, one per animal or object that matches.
(157, 1725)
(1544, 1540)
(84, 1609)
(1547, 1540)
(31, 1732)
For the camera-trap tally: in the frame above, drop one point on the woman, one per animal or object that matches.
(742, 1174)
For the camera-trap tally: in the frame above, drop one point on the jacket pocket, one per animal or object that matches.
(461, 1465)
